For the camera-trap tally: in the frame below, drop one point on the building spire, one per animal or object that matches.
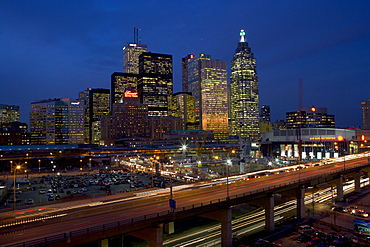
(242, 35)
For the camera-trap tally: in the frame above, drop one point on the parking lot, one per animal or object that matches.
(47, 189)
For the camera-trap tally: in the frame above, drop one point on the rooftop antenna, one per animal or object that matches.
(135, 34)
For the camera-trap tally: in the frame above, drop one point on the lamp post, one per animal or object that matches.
(228, 162)
(14, 185)
(26, 161)
(152, 173)
(184, 147)
(39, 166)
(344, 162)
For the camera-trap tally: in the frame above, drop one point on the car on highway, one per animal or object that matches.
(360, 213)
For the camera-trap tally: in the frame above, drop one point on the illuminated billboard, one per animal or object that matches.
(130, 94)
(362, 226)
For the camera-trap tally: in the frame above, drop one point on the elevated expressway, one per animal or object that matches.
(147, 214)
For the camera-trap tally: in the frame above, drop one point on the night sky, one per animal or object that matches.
(55, 49)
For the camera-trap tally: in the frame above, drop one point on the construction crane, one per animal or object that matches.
(300, 119)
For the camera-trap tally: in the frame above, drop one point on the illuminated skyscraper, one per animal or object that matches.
(193, 77)
(183, 106)
(9, 113)
(155, 82)
(213, 97)
(184, 63)
(96, 103)
(131, 53)
(365, 107)
(57, 121)
(206, 81)
(120, 82)
(265, 113)
(244, 95)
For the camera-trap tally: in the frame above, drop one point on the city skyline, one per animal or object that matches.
(56, 50)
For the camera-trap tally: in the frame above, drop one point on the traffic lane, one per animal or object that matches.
(70, 223)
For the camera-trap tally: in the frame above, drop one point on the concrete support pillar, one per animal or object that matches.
(340, 196)
(224, 216)
(300, 203)
(269, 213)
(103, 243)
(357, 181)
(169, 227)
(153, 235)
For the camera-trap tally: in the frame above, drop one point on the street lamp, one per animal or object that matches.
(26, 161)
(39, 166)
(228, 162)
(153, 174)
(344, 162)
(14, 184)
(184, 147)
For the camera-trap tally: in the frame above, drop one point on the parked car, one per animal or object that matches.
(305, 229)
(42, 191)
(30, 202)
(340, 209)
(303, 238)
(51, 198)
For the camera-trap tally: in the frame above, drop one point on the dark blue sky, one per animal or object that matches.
(55, 49)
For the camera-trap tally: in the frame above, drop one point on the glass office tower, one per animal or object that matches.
(213, 97)
(9, 113)
(244, 95)
(96, 102)
(154, 85)
(131, 53)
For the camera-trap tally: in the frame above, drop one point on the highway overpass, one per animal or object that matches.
(147, 215)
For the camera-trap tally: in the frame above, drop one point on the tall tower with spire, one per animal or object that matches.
(131, 53)
(244, 96)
